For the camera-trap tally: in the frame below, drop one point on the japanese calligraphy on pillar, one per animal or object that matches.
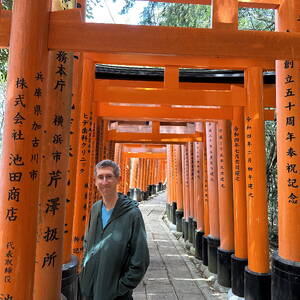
(25, 131)
(289, 133)
(211, 169)
(192, 171)
(186, 168)
(54, 161)
(236, 153)
(205, 191)
(221, 158)
(249, 158)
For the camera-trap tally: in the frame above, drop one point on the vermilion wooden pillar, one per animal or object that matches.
(212, 171)
(191, 219)
(286, 263)
(54, 164)
(126, 174)
(186, 195)
(226, 248)
(93, 162)
(144, 184)
(73, 154)
(206, 201)
(170, 183)
(174, 176)
(199, 193)
(133, 172)
(240, 258)
(148, 175)
(27, 81)
(257, 276)
(140, 178)
(178, 170)
(138, 174)
(83, 161)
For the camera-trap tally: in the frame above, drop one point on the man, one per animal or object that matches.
(116, 251)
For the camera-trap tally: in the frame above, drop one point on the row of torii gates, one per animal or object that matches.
(58, 122)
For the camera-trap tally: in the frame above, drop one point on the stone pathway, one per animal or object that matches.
(172, 273)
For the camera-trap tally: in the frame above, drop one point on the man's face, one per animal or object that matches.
(105, 181)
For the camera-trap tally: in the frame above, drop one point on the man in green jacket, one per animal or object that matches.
(116, 251)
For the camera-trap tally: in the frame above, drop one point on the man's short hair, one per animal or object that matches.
(106, 163)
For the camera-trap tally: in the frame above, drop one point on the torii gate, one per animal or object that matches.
(36, 134)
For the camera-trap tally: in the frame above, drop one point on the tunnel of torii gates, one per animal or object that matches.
(60, 120)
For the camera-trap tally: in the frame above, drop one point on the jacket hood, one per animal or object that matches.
(123, 204)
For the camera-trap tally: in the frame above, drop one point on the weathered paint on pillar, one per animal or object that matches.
(258, 241)
(239, 183)
(225, 185)
(27, 80)
(212, 177)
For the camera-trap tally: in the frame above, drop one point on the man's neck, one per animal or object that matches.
(110, 200)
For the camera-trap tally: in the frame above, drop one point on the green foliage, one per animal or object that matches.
(91, 4)
(256, 19)
(271, 168)
(174, 14)
(7, 4)
(3, 64)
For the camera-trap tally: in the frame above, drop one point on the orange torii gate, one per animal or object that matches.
(32, 30)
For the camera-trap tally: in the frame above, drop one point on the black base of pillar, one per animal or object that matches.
(224, 267)
(285, 279)
(153, 189)
(213, 244)
(191, 229)
(237, 275)
(168, 210)
(198, 244)
(185, 229)
(257, 285)
(194, 232)
(145, 195)
(174, 208)
(69, 284)
(205, 250)
(160, 186)
(179, 216)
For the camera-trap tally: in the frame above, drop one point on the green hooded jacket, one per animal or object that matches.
(116, 257)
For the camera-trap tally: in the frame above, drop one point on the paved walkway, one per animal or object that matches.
(172, 273)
